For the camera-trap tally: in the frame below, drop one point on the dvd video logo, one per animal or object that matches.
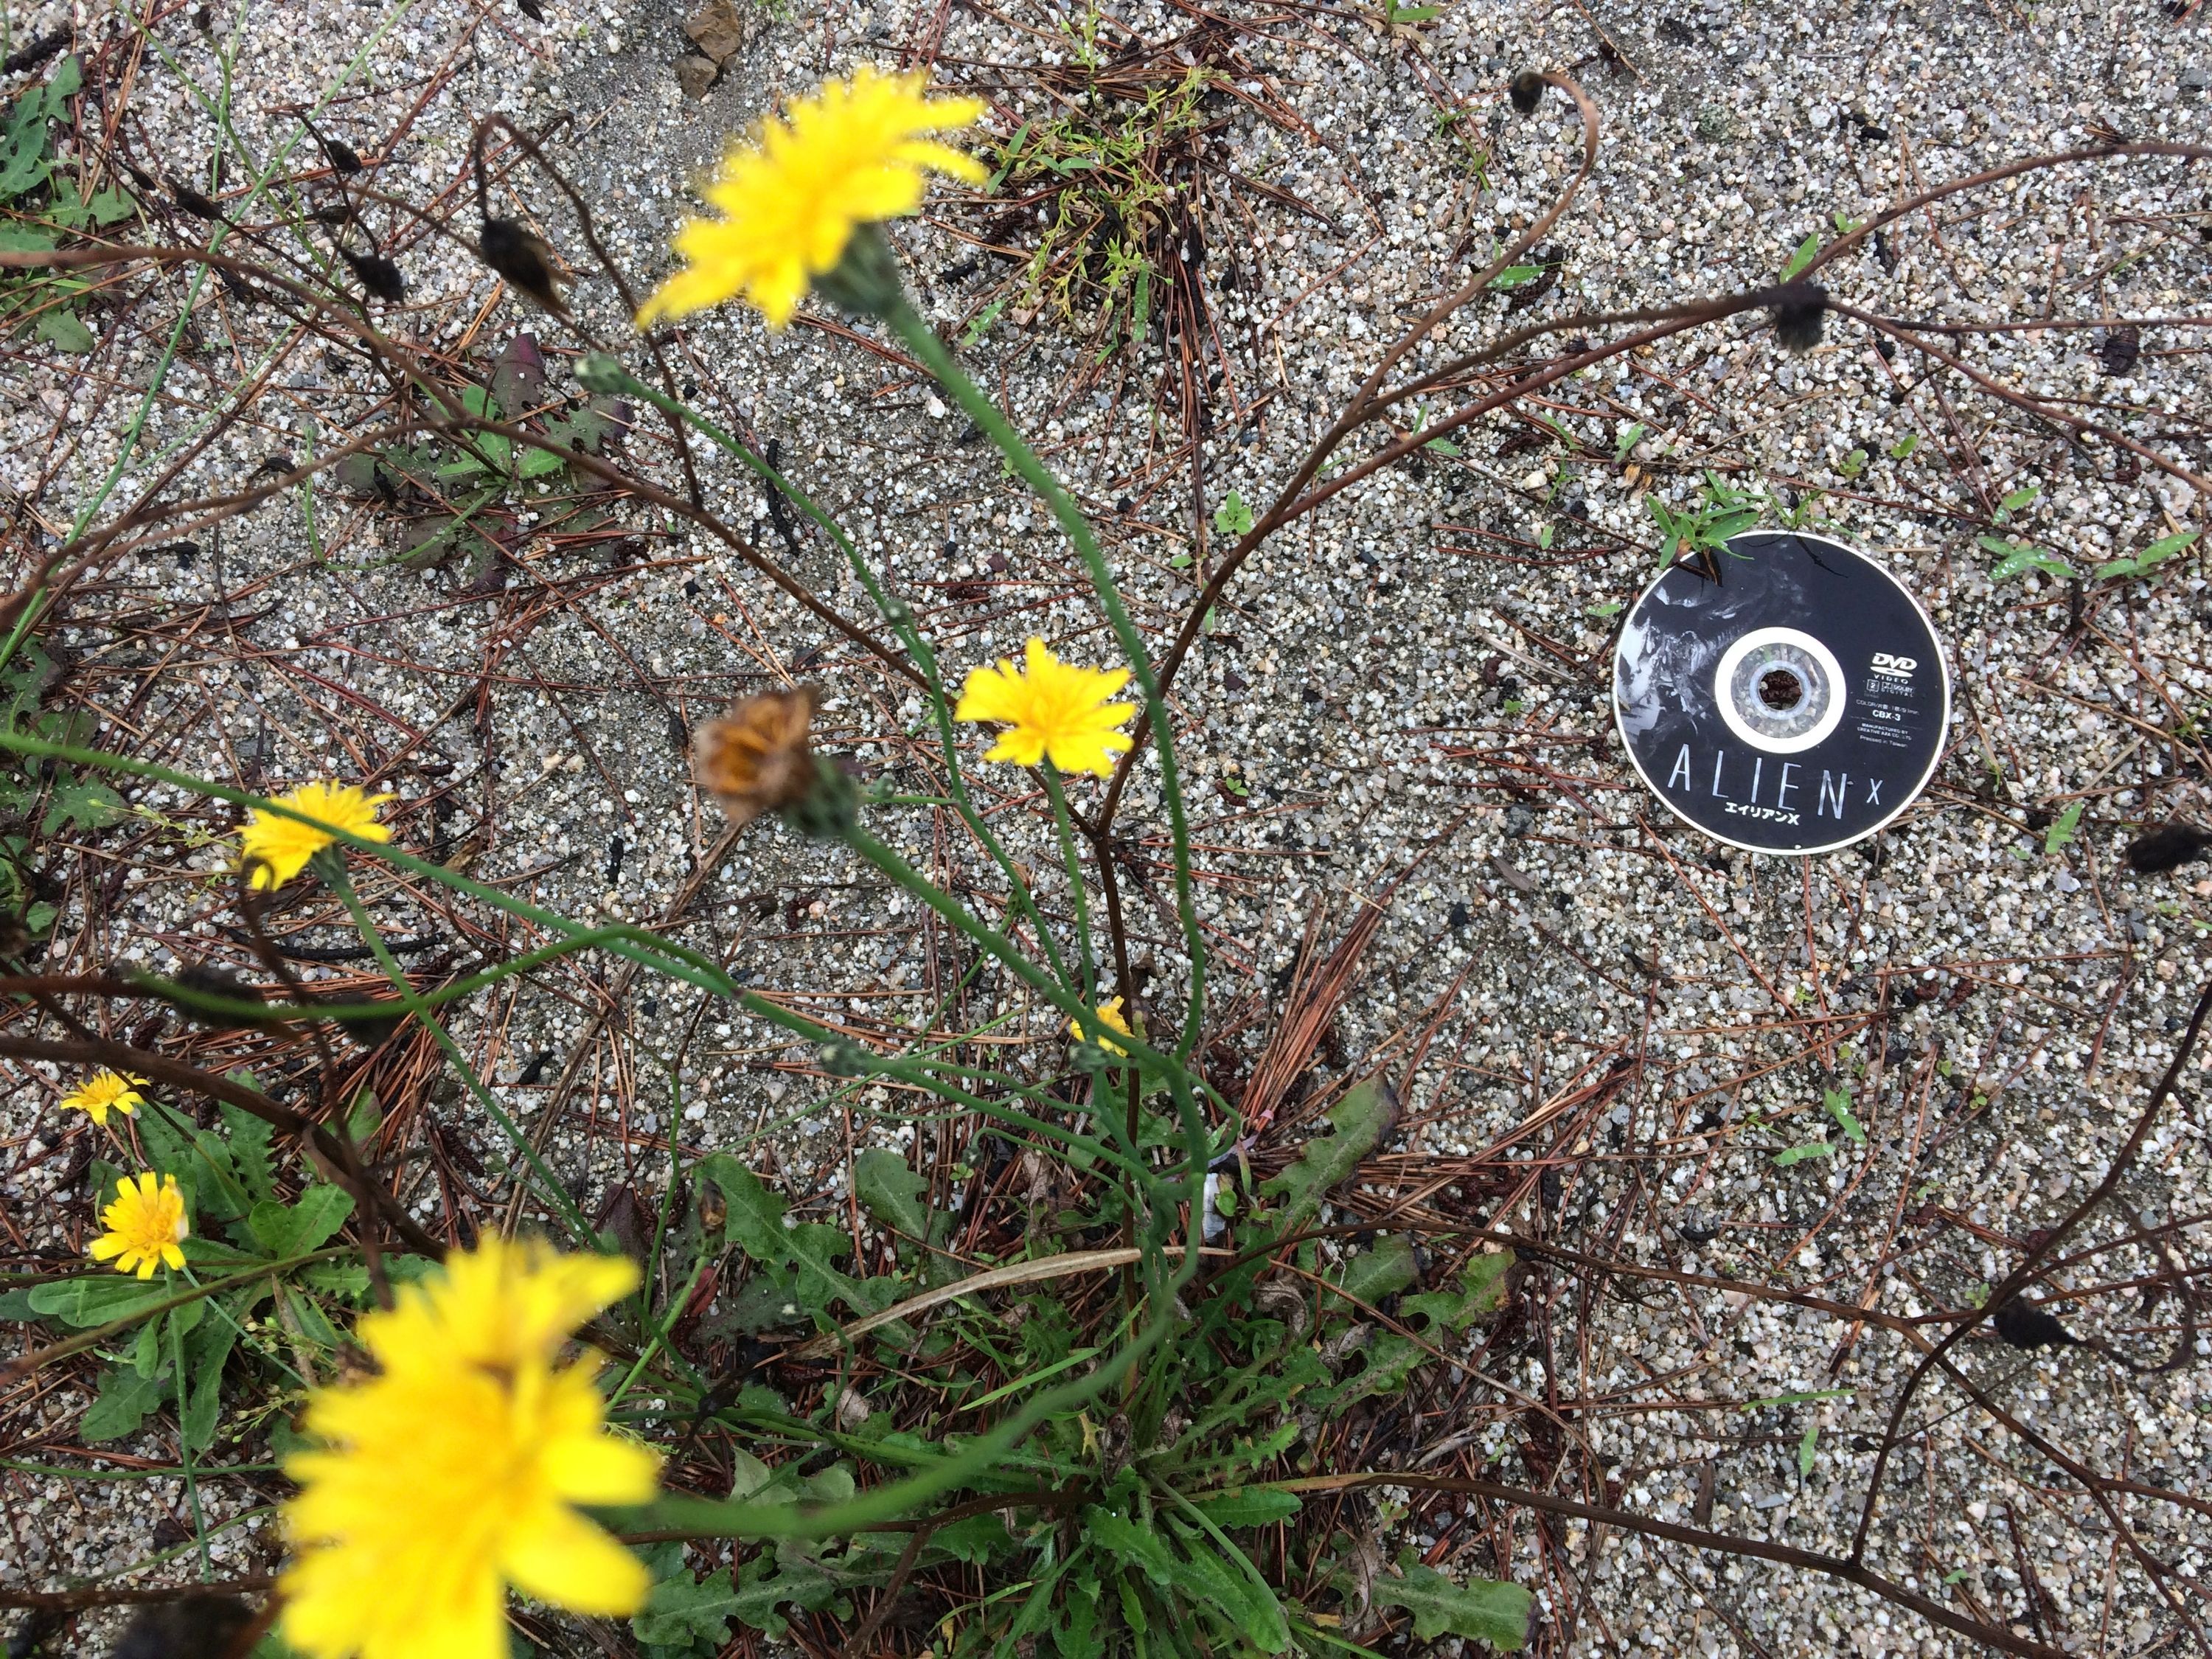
(1895, 668)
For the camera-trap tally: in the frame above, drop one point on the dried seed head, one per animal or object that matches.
(1528, 91)
(2168, 846)
(1797, 316)
(192, 202)
(378, 275)
(519, 254)
(756, 759)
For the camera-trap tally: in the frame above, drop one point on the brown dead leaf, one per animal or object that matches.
(718, 29)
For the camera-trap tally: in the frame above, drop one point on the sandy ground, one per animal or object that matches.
(1407, 691)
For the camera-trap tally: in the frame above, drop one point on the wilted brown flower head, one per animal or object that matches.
(756, 759)
(519, 254)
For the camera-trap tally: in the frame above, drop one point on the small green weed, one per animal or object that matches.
(43, 199)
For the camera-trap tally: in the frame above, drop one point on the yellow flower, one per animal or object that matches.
(278, 849)
(1051, 711)
(104, 1092)
(455, 1470)
(791, 200)
(1109, 1013)
(145, 1226)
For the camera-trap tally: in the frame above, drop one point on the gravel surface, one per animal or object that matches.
(1403, 694)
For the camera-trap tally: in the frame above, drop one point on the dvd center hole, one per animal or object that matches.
(1781, 691)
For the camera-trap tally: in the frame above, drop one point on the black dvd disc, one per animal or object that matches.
(1788, 696)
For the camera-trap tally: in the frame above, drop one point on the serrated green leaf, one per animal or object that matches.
(1324, 1162)
(895, 1197)
(125, 1398)
(1383, 1269)
(1481, 1609)
(1249, 1506)
(111, 206)
(64, 331)
(205, 1354)
(288, 1229)
(973, 1539)
(251, 1139)
(778, 1577)
(1142, 1548)
(84, 806)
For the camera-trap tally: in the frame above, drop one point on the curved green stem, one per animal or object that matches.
(922, 339)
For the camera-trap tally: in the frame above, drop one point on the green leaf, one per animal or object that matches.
(205, 1352)
(1232, 517)
(1838, 1104)
(777, 1575)
(1802, 257)
(1807, 1449)
(539, 463)
(2019, 499)
(1481, 1609)
(988, 315)
(2063, 828)
(1382, 1270)
(1783, 1160)
(250, 1142)
(98, 1299)
(1517, 275)
(2019, 556)
(2142, 563)
(64, 331)
(125, 1398)
(364, 1117)
(111, 206)
(1141, 1546)
(1905, 446)
(68, 78)
(1360, 1121)
(682, 1612)
(480, 403)
(86, 805)
(974, 1540)
(897, 1197)
(287, 1230)
(1631, 436)
(1248, 1506)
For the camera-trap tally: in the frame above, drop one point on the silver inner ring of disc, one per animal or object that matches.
(1748, 685)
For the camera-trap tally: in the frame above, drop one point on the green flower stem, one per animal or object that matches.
(919, 1074)
(1065, 824)
(185, 1450)
(331, 868)
(1085, 1016)
(660, 1328)
(605, 374)
(237, 1008)
(922, 339)
(638, 945)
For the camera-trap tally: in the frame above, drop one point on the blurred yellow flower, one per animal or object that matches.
(1109, 1013)
(1050, 710)
(455, 1471)
(275, 848)
(104, 1092)
(145, 1226)
(791, 200)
